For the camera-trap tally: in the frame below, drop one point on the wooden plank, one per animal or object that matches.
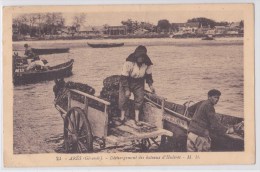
(60, 109)
(130, 126)
(90, 96)
(106, 122)
(115, 139)
(169, 110)
(130, 132)
(97, 119)
(152, 114)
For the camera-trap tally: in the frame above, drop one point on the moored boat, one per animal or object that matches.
(208, 37)
(105, 45)
(23, 76)
(176, 119)
(42, 51)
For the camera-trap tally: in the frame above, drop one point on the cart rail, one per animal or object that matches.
(91, 97)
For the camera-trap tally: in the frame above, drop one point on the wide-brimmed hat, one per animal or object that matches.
(140, 50)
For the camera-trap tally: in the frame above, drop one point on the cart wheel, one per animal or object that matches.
(77, 132)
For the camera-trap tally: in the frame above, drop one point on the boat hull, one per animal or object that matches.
(219, 143)
(177, 123)
(62, 70)
(50, 51)
(106, 45)
(208, 38)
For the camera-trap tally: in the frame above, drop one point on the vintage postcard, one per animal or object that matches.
(135, 85)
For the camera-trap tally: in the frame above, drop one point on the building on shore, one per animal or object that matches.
(187, 28)
(116, 30)
(141, 31)
(234, 28)
(203, 30)
(219, 30)
(67, 31)
(91, 30)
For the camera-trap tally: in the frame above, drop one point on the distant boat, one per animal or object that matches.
(208, 37)
(105, 45)
(42, 51)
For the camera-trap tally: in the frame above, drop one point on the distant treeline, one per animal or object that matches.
(38, 24)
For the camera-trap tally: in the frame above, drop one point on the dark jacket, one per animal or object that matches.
(29, 53)
(204, 120)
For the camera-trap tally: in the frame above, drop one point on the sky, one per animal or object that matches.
(115, 18)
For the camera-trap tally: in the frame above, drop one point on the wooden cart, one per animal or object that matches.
(84, 124)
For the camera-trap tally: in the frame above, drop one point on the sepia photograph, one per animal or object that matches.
(128, 85)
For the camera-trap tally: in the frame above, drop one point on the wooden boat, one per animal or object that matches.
(105, 45)
(176, 119)
(208, 37)
(22, 76)
(43, 51)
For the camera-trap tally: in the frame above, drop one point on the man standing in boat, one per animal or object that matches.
(203, 121)
(28, 51)
(136, 69)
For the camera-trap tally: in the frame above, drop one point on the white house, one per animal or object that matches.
(191, 27)
(220, 30)
(141, 31)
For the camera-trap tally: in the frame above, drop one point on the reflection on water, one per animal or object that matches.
(183, 70)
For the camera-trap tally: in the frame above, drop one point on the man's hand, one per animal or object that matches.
(152, 88)
(230, 130)
(127, 93)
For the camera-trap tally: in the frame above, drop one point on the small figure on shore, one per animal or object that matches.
(203, 122)
(136, 69)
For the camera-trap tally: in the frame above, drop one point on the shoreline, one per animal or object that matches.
(99, 37)
(187, 42)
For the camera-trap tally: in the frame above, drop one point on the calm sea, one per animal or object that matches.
(184, 70)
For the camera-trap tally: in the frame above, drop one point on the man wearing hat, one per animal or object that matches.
(203, 121)
(136, 70)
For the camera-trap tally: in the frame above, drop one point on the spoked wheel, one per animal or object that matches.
(77, 132)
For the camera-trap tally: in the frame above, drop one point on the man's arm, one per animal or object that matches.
(149, 78)
(215, 125)
(148, 75)
(192, 109)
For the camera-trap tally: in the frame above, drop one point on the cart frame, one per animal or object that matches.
(95, 125)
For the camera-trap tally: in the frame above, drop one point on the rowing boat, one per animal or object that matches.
(105, 45)
(23, 76)
(42, 51)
